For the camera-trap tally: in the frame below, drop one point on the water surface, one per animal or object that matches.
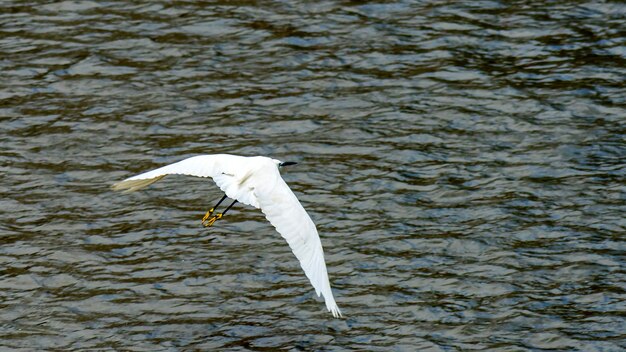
(464, 163)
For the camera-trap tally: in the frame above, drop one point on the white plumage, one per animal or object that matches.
(256, 181)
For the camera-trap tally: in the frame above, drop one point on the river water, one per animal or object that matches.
(464, 163)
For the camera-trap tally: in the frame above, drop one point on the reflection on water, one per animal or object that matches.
(464, 164)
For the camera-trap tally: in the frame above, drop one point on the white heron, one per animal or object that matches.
(255, 181)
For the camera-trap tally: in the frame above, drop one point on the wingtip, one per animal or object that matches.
(121, 187)
(335, 312)
(117, 187)
(133, 184)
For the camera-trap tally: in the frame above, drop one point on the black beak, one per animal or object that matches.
(287, 163)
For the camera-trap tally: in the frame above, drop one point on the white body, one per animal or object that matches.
(256, 181)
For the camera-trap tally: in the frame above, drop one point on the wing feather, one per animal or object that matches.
(221, 167)
(200, 166)
(283, 210)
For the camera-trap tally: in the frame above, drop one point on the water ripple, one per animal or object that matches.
(464, 163)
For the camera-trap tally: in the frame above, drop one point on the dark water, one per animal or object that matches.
(464, 162)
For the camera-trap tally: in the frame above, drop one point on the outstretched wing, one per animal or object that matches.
(284, 211)
(223, 168)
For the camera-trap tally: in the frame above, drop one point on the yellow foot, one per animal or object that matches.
(208, 213)
(212, 220)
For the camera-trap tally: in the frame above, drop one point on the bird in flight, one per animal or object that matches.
(255, 181)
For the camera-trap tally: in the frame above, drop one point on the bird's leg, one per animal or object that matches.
(230, 206)
(210, 212)
(218, 216)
